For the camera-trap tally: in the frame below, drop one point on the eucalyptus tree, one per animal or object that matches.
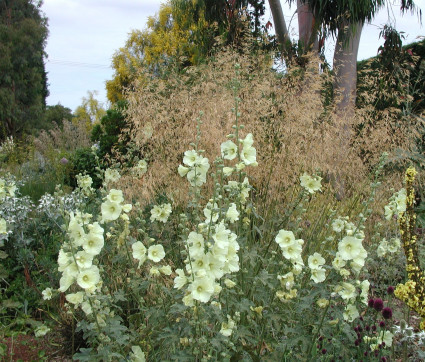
(342, 19)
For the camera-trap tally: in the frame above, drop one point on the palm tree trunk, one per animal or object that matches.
(279, 23)
(306, 28)
(345, 70)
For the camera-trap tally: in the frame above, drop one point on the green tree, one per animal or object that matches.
(23, 80)
(181, 34)
(109, 132)
(342, 19)
(90, 112)
(56, 114)
(170, 37)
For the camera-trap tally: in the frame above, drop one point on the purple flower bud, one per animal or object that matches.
(378, 304)
(371, 302)
(63, 161)
(390, 290)
(387, 313)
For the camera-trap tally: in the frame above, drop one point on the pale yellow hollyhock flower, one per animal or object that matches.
(88, 278)
(93, 243)
(182, 170)
(287, 281)
(364, 285)
(115, 196)
(142, 167)
(318, 275)
(41, 331)
(196, 245)
(229, 150)
(154, 271)
(201, 263)
(387, 337)
(338, 262)
(69, 276)
(390, 210)
(249, 155)
(112, 175)
(156, 253)
(64, 259)
(350, 313)
(3, 229)
(248, 141)
(161, 212)
(221, 236)
(227, 171)
(338, 225)
(217, 289)
(84, 260)
(110, 210)
(229, 283)
(166, 270)
(348, 291)
(188, 300)
(75, 298)
(240, 166)
(190, 158)
(285, 238)
(227, 328)
(84, 182)
(47, 294)
(139, 252)
(209, 210)
(382, 249)
(86, 307)
(216, 264)
(350, 247)
(76, 230)
(180, 280)
(311, 184)
(127, 208)
(292, 251)
(322, 303)
(315, 261)
(202, 165)
(196, 178)
(401, 200)
(202, 289)
(232, 213)
(394, 245)
(258, 310)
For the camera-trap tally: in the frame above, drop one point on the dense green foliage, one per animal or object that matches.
(56, 115)
(107, 133)
(23, 81)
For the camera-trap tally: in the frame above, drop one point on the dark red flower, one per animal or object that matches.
(387, 313)
(378, 304)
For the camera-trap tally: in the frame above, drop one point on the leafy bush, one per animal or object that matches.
(109, 133)
(85, 161)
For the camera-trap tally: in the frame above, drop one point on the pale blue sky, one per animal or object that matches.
(84, 34)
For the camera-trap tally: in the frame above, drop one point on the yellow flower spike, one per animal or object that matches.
(413, 291)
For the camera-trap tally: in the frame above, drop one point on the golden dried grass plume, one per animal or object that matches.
(293, 131)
